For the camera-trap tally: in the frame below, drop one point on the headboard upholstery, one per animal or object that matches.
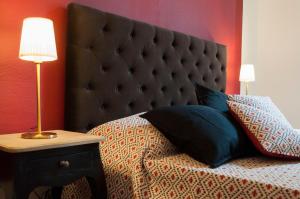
(118, 67)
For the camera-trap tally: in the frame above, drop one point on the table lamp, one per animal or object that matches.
(247, 75)
(38, 45)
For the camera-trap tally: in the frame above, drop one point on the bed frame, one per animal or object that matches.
(117, 67)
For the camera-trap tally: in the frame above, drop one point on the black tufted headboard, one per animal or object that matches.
(118, 67)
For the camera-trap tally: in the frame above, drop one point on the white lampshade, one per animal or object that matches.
(37, 40)
(247, 73)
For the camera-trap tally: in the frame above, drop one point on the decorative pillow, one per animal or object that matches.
(218, 100)
(271, 136)
(262, 103)
(211, 98)
(204, 133)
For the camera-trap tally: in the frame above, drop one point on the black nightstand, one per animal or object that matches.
(26, 164)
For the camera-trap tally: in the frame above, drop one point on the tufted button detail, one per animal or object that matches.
(144, 53)
(190, 76)
(131, 105)
(131, 70)
(163, 89)
(104, 106)
(173, 74)
(119, 50)
(188, 103)
(182, 61)
(153, 104)
(191, 47)
(204, 78)
(217, 80)
(164, 57)
(222, 68)
(154, 72)
(172, 103)
(155, 39)
(143, 88)
(105, 28)
(222, 90)
(119, 87)
(181, 89)
(197, 63)
(211, 67)
(90, 86)
(105, 68)
(132, 34)
(174, 44)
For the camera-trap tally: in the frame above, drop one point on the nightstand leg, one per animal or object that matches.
(98, 187)
(56, 192)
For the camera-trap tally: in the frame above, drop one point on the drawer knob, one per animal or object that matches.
(64, 164)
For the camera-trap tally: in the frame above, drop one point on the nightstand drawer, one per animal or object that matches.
(61, 164)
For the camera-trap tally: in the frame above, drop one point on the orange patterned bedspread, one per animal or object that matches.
(139, 162)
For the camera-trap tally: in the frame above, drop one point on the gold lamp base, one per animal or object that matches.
(38, 134)
(43, 135)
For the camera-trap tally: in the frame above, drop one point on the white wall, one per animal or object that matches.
(271, 41)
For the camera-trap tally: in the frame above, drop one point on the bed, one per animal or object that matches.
(118, 68)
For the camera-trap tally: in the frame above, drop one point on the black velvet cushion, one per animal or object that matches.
(218, 100)
(211, 98)
(204, 133)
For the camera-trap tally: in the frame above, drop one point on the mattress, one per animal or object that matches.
(139, 162)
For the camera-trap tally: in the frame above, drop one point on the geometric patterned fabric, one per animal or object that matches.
(139, 162)
(260, 102)
(268, 133)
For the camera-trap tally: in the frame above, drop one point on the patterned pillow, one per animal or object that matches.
(270, 135)
(262, 103)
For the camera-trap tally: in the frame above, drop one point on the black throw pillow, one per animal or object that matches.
(218, 100)
(211, 98)
(204, 133)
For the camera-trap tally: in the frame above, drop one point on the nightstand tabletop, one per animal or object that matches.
(13, 143)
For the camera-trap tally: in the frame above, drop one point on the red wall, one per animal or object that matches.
(217, 20)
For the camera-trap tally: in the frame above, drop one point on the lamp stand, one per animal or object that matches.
(39, 134)
(247, 87)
